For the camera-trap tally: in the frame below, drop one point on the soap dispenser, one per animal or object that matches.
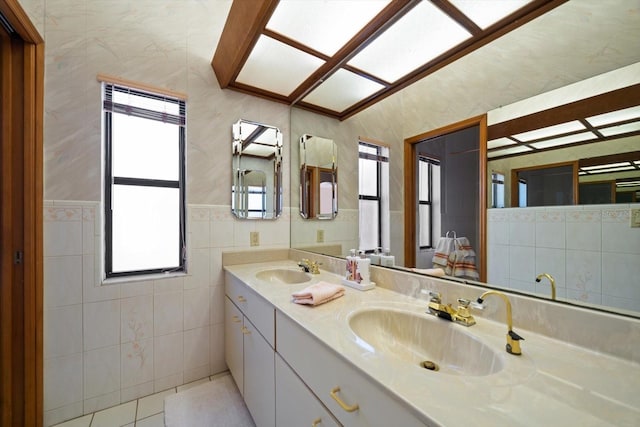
(375, 257)
(352, 260)
(386, 259)
(363, 273)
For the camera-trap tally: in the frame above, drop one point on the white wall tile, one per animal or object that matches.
(550, 234)
(198, 269)
(196, 348)
(522, 263)
(584, 230)
(553, 262)
(136, 318)
(101, 371)
(196, 308)
(62, 238)
(621, 275)
(217, 304)
(63, 276)
(92, 289)
(136, 392)
(62, 381)
(168, 355)
(584, 271)
(103, 401)
(167, 313)
(101, 324)
(63, 331)
(216, 353)
(137, 363)
(199, 233)
(620, 237)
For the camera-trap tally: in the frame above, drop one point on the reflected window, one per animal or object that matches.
(374, 196)
(144, 197)
(497, 190)
(429, 200)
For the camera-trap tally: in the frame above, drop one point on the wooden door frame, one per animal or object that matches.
(410, 190)
(21, 219)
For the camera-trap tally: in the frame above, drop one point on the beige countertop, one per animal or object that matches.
(552, 383)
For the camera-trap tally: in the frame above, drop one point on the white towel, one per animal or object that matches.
(430, 271)
(318, 293)
(444, 247)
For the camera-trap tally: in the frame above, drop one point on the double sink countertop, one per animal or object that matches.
(551, 383)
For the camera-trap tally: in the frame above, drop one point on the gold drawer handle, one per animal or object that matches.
(246, 331)
(316, 422)
(236, 319)
(241, 298)
(334, 395)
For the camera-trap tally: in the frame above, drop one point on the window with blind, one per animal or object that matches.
(373, 186)
(144, 175)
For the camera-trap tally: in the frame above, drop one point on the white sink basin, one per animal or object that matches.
(283, 276)
(415, 338)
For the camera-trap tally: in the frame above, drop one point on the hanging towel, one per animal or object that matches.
(462, 260)
(444, 247)
(430, 271)
(318, 293)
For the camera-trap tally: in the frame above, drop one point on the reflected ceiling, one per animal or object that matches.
(338, 57)
(606, 117)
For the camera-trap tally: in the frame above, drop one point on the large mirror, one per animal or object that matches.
(532, 61)
(318, 177)
(256, 160)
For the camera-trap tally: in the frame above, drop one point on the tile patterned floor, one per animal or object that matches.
(147, 411)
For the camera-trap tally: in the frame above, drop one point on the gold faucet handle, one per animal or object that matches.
(463, 307)
(435, 297)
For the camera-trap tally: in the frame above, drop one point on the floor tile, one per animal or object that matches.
(116, 416)
(156, 420)
(77, 422)
(192, 384)
(151, 405)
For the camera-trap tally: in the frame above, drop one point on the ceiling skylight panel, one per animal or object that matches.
(342, 90)
(487, 12)
(569, 139)
(269, 54)
(615, 116)
(512, 150)
(550, 131)
(500, 142)
(619, 130)
(606, 166)
(323, 25)
(421, 35)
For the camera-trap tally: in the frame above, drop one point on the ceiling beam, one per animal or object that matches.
(243, 27)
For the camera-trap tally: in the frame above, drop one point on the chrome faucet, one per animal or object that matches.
(513, 339)
(309, 266)
(551, 280)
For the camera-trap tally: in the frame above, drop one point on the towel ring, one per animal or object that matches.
(451, 231)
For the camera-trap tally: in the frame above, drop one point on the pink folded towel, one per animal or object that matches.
(318, 293)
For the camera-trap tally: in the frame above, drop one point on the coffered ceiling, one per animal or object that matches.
(338, 57)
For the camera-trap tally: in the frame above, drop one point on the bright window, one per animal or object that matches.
(144, 175)
(374, 196)
(428, 200)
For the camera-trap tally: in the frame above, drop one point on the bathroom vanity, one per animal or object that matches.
(355, 361)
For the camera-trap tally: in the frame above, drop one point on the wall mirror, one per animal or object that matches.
(559, 55)
(256, 191)
(318, 177)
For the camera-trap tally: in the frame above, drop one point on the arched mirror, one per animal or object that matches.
(318, 177)
(256, 192)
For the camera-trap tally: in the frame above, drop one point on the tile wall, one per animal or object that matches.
(107, 344)
(590, 250)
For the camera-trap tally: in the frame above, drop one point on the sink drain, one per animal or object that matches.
(428, 364)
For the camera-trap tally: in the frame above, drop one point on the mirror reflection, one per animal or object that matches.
(318, 177)
(256, 192)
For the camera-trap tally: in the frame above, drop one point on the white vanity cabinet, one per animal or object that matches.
(295, 403)
(352, 398)
(249, 350)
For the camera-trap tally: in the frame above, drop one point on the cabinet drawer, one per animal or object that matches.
(296, 405)
(324, 371)
(257, 309)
